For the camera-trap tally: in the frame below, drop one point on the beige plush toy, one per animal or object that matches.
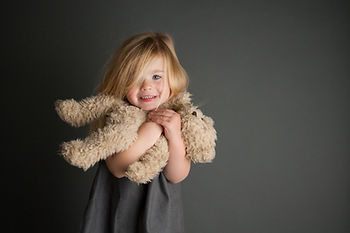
(120, 131)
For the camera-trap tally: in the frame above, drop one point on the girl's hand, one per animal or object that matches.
(170, 120)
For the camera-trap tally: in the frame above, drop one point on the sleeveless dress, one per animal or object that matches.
(119, 205)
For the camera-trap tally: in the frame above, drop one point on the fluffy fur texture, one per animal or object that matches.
(120, 131)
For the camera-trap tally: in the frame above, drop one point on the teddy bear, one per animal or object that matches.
(122, 121)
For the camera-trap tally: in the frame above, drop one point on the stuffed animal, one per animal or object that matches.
(122, 121)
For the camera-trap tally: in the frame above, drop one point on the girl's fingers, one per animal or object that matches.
(162, 113)
(163, 117)
(169, 120)
(162, 122)
(160, 118)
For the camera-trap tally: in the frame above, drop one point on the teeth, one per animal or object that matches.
(147, 97)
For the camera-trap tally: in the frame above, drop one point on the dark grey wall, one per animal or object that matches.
(274, 75)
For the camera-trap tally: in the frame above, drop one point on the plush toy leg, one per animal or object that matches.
(151, 163)
(99, 145)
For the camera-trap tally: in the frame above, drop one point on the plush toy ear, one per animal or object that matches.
(199, 136)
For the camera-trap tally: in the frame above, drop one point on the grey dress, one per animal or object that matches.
(118, 205)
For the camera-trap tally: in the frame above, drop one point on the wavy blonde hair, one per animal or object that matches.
(123, 69)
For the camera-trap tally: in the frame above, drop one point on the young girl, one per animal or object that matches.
(145, 72)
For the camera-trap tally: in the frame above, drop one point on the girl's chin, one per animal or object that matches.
(148, 108)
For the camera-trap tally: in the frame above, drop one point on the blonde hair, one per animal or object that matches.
(123, 69)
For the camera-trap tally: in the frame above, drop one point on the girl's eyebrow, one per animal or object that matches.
(157, 71)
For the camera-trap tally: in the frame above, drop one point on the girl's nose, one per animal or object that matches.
(146, 86)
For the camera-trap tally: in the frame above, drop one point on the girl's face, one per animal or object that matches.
(153, 89)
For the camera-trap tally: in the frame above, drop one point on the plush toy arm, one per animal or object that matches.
(150, 164)
(199, 136)
(80, 113)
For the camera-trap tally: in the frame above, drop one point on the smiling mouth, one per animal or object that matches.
(148, 98)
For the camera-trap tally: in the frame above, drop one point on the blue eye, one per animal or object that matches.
(156, 76)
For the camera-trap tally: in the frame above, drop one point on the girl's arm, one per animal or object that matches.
(148, 134)
(178, 166)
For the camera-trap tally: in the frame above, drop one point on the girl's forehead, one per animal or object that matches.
(154, 65)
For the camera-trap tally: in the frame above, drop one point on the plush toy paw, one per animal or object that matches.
(150, 164)
(67, 110)
(74, 154)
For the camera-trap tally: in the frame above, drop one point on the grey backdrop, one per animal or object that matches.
(274, 75)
